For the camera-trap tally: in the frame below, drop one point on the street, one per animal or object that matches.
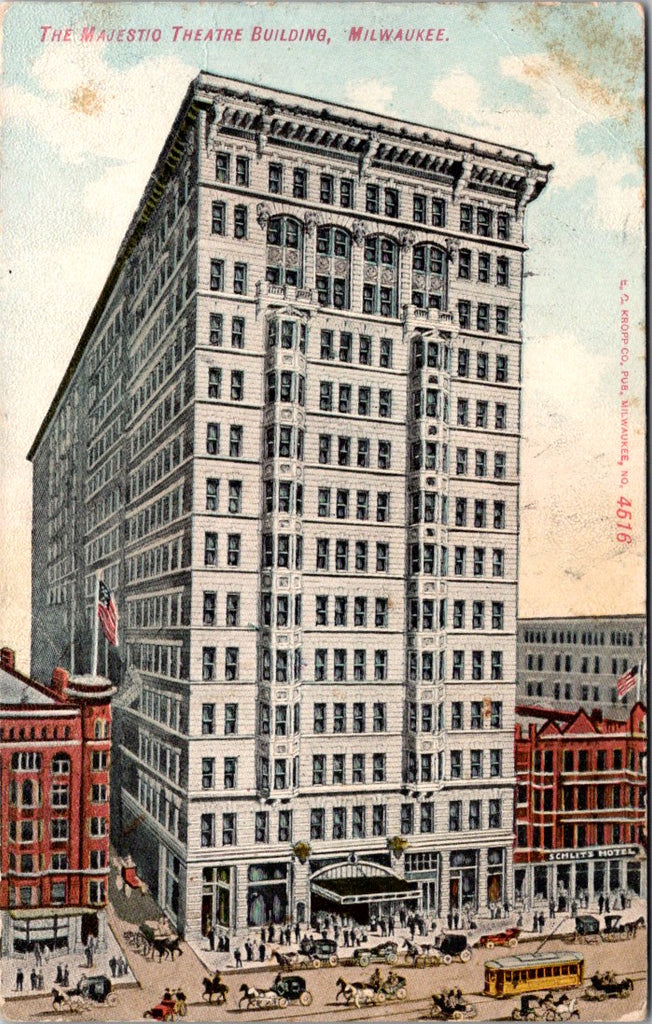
(627, 958)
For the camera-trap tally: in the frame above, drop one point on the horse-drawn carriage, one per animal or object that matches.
(444, 950)
(616, 931)
(533, 1007)
(96, 988)
(155, 937)
(451, 1005)
(607, 986)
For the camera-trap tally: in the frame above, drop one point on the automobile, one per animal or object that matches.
(383, 953)
(293, 988)
(508, 937)
(320, 951)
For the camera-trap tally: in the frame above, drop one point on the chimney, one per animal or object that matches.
(59, 680)
(596, 715)
(7, 658)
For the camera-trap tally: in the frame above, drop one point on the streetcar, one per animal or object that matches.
(527, 972)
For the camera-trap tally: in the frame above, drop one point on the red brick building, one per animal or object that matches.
(54, 812)
(580, 807)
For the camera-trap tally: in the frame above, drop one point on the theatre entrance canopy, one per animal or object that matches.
(362, 890)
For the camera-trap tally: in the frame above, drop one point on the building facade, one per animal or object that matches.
(289, 438)
(54, 785)
(581, 818)
(578, 661)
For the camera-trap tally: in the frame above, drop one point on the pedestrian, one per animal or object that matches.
(20, 977)
(542, 921)
(261, 952)
(66, 975)
(271, 933)
(623, 899)
(551, 908)
(227, 944)
(288, 935)
(573, 908)
(237, 956)
(600, 902)
(38, 956)
(211, 937)
(390, 924)
(345, 936)
(297, 932)
(336, 932)
(263, 934)
(281, 937)
(607, 904)
(113, 964)
(40, 981)
(33, 979)
(89, 956)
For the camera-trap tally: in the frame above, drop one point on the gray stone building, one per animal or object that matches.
(289, 438)
(575, 662)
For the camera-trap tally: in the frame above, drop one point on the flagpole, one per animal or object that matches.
(96, 597)
(72, 627)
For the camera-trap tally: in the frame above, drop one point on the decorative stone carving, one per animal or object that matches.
(359, 231)
(406, 238)
(262, 215)
(462, 178)
(213, 119)
(365, 154)
(312, 221)
(452, 249)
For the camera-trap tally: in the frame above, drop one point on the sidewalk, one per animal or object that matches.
(76, 962)
(558, 926)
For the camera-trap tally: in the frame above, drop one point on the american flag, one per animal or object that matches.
(627, 682)
(107, 613)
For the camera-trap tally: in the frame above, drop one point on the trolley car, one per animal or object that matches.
(528, 972)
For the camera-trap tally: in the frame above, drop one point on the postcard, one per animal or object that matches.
(323, 678)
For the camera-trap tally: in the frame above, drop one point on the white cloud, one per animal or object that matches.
(550, 124)
(370, 94)
(88, 111)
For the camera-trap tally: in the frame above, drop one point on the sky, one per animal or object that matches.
(82, 126)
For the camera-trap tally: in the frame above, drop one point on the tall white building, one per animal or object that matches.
(289, 437)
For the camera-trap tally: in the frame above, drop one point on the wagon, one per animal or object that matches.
(293, 988)
(97, 988)
(451, 946)
(587, 929)
(320, 951)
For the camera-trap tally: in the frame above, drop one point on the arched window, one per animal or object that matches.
(284, 251)
(333, 273)
(428, 277)
(380, 286)
(60, 764)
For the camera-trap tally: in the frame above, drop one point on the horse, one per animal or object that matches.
(67, 999)
(256, 997)
(166, 948)
(358, 992)
(213, 988)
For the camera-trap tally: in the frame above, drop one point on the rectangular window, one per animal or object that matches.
(346, 193)
(300, 183)
(419, 209)
(339, 823)
(464, 314)
(231, 659)
(482, 319)
(222, 167)
(261, 827)
(230, 772)
(391, 202)
(207, 830)
(439, 213)
(218, 218)
(326, 189)
(502, 319)
(240, 278)
(363, 453)
(372, 199)
(275, 180)
(364, 354)
(229, 830)
(455, 815)
(242, 171)
(485, 222)
(217, 275)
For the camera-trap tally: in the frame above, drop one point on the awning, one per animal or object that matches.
(30, 913)
(365, 889)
